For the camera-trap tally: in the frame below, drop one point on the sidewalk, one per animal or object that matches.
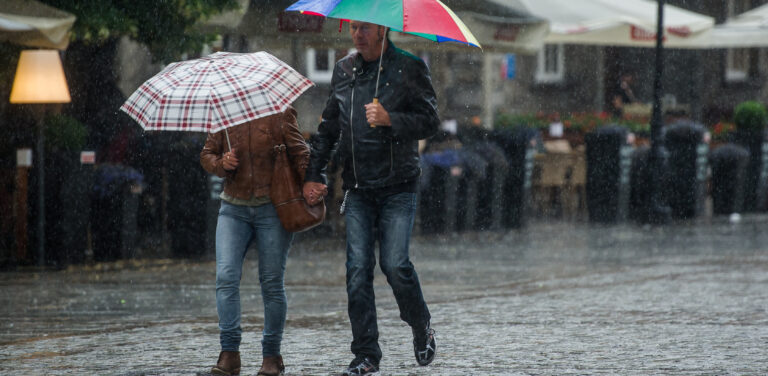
(550, 299)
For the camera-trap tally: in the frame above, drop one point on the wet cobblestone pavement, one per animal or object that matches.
(551, 299)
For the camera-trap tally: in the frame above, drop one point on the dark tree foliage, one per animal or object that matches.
(167, 27)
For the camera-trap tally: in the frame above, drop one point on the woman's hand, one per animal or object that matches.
(314, 192)
(229, 160)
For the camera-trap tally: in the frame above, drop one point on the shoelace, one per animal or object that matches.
(425, 354)
(364, 366)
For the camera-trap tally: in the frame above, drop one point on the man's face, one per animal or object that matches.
(367, 38)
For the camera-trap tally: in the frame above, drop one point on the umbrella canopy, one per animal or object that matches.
(630, 23)
(215, 92)
(429, 19)
(32, 23)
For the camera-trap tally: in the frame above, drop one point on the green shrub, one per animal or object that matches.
(65, 133)
(509, 120)
(750, 116)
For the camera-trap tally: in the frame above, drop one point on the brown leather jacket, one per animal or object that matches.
(253, 147)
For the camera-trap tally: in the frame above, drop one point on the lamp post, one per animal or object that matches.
(659, 212)
(40, 81)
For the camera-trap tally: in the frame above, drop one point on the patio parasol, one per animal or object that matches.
(215, 92)
(32, 23)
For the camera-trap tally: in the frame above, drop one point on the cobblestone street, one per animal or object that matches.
(551, 299)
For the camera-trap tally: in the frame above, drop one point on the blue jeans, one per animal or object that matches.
(388, 219)
(237, 228)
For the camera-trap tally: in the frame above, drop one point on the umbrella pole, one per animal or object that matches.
(378, 73)
(227, 134)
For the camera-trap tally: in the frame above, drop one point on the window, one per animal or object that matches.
(551, 64)
(737, 60)
(320, 64)
(737, 64)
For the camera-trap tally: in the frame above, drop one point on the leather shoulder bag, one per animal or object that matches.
(286, 191)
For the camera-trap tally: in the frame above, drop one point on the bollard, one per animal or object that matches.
(467, 213)
(608, 168)
(437, 208)
(729, 164)
(687, 169)
(517, 144)
(756, 178)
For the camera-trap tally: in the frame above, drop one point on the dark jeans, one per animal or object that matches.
(392, 215)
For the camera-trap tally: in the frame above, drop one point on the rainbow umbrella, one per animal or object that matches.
(429, 19)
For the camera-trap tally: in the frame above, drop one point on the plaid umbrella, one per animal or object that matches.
(215, 92)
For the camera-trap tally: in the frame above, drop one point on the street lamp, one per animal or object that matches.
(40, 81)
(658, 212)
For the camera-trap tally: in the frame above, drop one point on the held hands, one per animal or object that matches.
(314, 192)
(229, 160)
(376, 114)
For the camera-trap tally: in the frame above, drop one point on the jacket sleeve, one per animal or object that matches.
(323, 143)
(297, 148)
(418, 120)
(210, 156)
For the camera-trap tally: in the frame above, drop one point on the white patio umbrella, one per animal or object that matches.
(32, 23)
(749, 29)
(630, 23)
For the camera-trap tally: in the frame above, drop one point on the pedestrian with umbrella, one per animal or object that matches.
(244, 102)
(381, 104)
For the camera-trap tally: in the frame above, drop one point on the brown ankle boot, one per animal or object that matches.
(272, 366)
(228, 364)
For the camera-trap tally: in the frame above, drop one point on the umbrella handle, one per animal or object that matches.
(227, 134)
(378, 73)
(375, 101)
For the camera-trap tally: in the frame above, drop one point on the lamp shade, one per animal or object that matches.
(40, 78)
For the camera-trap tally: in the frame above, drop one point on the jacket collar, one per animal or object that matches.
(389, 53)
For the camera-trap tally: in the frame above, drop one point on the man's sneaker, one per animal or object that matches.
(362, 366)
(424, 345)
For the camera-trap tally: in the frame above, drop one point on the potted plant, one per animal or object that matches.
(751, 119)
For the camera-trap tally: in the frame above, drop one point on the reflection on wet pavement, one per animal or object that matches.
(551, 299)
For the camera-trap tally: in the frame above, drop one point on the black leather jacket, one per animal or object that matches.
(380, 156)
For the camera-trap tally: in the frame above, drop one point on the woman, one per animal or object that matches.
(247, 217)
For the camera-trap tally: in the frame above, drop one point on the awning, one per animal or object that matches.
(32, 23)
(749, 29)
(630, 23)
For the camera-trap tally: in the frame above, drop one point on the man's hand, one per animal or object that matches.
(229, 160)
(314, 192)
(376, 114)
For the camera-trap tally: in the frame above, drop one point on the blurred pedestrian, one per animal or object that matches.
(379, 154)
(623, 94)
(248, 217)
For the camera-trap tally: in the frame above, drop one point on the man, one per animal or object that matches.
(378, 149)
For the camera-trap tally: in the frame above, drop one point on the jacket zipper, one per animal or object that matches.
(352, 126)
